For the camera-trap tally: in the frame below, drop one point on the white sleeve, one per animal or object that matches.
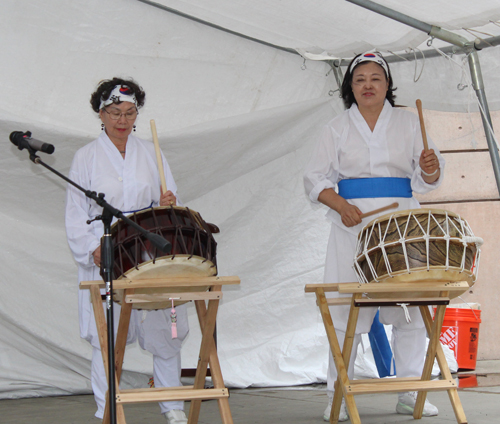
(322, 171)
(81, 238)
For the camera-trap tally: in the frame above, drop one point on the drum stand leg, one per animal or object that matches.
(441, 360)
(341, 357)
(430, 355)
(208, 356)
(119, 346)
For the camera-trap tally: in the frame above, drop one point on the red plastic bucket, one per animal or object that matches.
(460, 332)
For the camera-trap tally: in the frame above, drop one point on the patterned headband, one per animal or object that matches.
(370, 57)
(121, 93)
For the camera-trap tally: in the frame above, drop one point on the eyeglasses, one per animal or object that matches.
(129, 116)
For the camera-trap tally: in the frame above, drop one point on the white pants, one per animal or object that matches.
(153, 329)
(166, 373)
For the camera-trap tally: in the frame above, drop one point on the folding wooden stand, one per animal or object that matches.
(389, 294)
(181, 289)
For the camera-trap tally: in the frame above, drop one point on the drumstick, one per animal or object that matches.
(422, 126)
(391, 206)
(158, 156)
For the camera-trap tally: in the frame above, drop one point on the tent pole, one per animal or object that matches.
(337, 72)
(477, 82)
(390, 13)
(474, 66)
(201, 21)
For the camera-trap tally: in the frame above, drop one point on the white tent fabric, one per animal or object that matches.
(236, 120)
(336, 26)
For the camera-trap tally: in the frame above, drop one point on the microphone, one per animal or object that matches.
(24, 141)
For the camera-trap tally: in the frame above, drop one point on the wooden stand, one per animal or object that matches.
(384, 293)
(208, 353)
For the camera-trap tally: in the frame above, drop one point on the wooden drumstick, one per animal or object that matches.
(158, 156)
(422, 125)
(385, 208)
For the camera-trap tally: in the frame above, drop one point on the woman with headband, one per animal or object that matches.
(372, 147)
(125, 168)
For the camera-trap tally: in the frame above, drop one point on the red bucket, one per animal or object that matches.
(460, 332)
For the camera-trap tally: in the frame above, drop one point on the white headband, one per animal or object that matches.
(370, 57)
(121, 93)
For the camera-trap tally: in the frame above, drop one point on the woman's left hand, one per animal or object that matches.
(168, 199)
(429, 163)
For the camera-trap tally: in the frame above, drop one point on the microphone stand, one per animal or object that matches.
(107, 265)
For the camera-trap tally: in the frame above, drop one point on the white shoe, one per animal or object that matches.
(176, 416)
(343, 416)
(406, 404)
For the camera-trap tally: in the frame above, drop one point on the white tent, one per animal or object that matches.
(236, 120)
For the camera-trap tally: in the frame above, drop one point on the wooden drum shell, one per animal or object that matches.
(193, 251)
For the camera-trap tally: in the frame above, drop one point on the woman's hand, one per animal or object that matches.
(167, 199)
(429, 164)
(349, 214)
(97, 256)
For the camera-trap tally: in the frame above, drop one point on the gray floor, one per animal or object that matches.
(274, 405)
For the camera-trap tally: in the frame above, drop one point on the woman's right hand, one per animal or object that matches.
(97, 256)
(349, 214)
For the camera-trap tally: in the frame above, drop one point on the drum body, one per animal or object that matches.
(420, 245)
(193, 250)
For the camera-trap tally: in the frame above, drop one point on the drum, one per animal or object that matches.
(193, 250)
(419, 245)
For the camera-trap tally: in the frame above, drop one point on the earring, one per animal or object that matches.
(102, 127)
(134, 127)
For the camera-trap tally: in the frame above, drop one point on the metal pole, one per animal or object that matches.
(210, 24)
(337, 72)
(432, 30)
(477, 82)
(390, 13)
(474, 66)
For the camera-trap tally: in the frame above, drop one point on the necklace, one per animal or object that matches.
(121, 152)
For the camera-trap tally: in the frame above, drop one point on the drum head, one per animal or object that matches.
(164, 267)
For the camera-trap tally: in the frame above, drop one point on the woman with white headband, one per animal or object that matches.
(123, 167)
(374, 153)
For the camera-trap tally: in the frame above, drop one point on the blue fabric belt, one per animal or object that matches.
(361, 188)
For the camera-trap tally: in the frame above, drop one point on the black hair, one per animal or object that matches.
(105, 87)
(346, 90)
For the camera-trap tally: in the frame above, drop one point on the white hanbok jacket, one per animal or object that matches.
(129, 184)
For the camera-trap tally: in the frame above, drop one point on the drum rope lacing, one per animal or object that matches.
(466, 237)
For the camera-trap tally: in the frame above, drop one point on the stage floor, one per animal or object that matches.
(479, 393)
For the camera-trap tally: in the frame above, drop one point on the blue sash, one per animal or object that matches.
(361, 188)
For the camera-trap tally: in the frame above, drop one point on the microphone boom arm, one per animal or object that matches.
(158, 241)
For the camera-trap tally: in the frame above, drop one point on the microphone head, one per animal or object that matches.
(160, 243)
(15, 136)
(48, 148)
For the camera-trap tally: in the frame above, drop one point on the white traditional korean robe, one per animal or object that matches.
(129, 183)
(347, 149)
